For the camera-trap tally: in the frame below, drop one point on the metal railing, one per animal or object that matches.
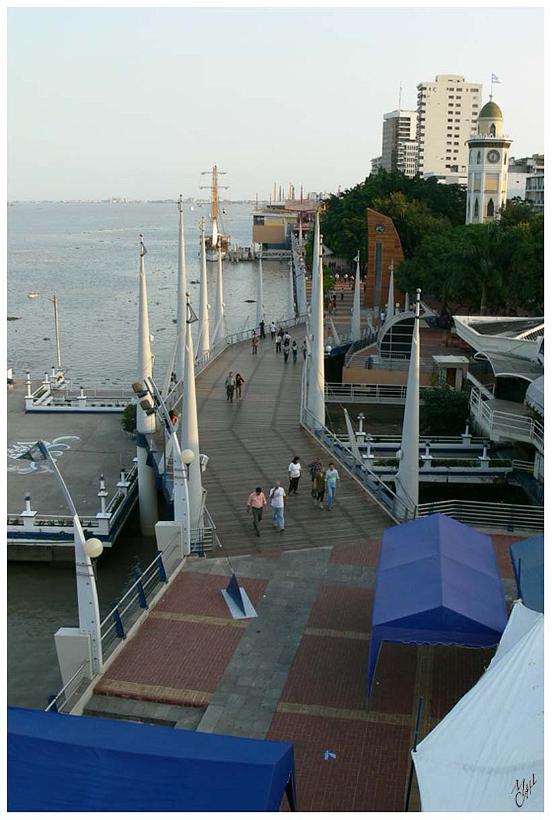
(368, 393)
(68, 696)
(371, 482)
(369, 337)
(506, 425)
(489, 515)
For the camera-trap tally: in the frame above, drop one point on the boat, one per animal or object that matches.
(216, 238)
(32, 295)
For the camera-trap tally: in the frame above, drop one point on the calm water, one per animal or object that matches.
(87, 255)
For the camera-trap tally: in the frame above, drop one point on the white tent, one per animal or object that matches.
(487, 754)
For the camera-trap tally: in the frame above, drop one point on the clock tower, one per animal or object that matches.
(488, 167)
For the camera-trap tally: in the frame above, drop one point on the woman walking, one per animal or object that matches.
(294, 349)
(319, 488)
(239, 381)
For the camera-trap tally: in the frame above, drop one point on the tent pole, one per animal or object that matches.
(409, 789)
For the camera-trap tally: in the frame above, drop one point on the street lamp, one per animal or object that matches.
(85, 550)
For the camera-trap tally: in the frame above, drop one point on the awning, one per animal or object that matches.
(528, 563)
(437, 582)
(66, 763)
(487, 754)
(504, 366)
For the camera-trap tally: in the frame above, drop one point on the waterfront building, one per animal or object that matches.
(488, 167)
(446, 118)
(274, 224)
(399, 149)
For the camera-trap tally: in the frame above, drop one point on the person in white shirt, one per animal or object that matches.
(277, 495)
(294, 472)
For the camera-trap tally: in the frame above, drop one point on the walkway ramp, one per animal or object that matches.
(251, 443)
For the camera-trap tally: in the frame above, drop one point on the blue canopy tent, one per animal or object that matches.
(66, 763)
(437, 583)
(528, 562)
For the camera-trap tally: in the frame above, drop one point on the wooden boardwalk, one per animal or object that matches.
(251, 443)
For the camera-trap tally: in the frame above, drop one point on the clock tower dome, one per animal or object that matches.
(488, 167)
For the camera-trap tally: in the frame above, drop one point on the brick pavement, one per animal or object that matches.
(297, 672)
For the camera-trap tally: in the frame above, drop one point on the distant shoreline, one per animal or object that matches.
(117, 201)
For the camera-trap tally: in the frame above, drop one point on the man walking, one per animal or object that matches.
(229, 384)
(294, 472)
(262, 329)
(332, 477)
(294, 350)
(272, 331)
(256, 503)
(277, 495)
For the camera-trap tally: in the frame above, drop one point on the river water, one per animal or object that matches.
(87, 254)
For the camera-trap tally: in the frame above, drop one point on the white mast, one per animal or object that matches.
(315, 259)
(180, 296)
(355, 320)
(407, 479)
(391, 294)
(219, 333)
(260, 310)
(145, 425)
(204, 342)
(189, 434)
(315, 395)
(291, 300)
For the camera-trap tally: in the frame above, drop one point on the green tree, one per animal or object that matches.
(412, 218)
(444, 411)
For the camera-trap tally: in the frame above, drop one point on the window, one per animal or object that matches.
(258, 220)
(490, 208)
(492, 130)
(476, 208)
(449, 120)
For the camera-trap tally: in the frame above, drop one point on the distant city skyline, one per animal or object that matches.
(136, 102)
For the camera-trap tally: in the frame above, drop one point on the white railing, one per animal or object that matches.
(70, 693)
(370, 481)
(488, 515)
(498, 424)
(368, 393)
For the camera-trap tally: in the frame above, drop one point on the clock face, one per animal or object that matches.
(379, 229)
(493, 156)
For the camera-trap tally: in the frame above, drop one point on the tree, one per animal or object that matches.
(412, 218)
(444, 411)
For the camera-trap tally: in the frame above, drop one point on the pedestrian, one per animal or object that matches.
(272, 331)
(278, 344)
(286, 354)
(334, 300)
(262, 329)
(256, 503)
(254, 343)
(294, 472)
(319, 488)
(239, 380)
(342, 294)
(286, 341)
(304, 349)
(277, 495)
(229, 383)
(315, 468)
(294, 350)
(331, 479)
(382, 316)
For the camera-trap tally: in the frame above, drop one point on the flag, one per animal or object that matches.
(494, 78)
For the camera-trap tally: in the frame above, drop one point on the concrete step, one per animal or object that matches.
(144, 711)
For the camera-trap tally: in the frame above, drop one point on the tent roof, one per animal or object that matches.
(437, 582)
(66, 763)
(528, 563)
(478, 756)
(436, 562)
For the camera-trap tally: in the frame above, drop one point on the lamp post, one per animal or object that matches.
(85, 550)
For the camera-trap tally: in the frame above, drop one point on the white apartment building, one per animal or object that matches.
(375, 165)
(399, 148)
(446, 118)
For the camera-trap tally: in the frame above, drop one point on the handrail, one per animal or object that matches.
(488, 514)
(383, 495)
(53, 704)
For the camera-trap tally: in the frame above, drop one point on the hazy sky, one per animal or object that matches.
(137, 102)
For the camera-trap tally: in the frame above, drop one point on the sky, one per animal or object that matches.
(137, 102)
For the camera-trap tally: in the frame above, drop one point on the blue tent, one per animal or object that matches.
(528, 562)
(437, 582)
(66, 763)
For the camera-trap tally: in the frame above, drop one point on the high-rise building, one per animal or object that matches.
(521, 171)
(399, 148)
(446, 119)
(488, 167)
(376, 165)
